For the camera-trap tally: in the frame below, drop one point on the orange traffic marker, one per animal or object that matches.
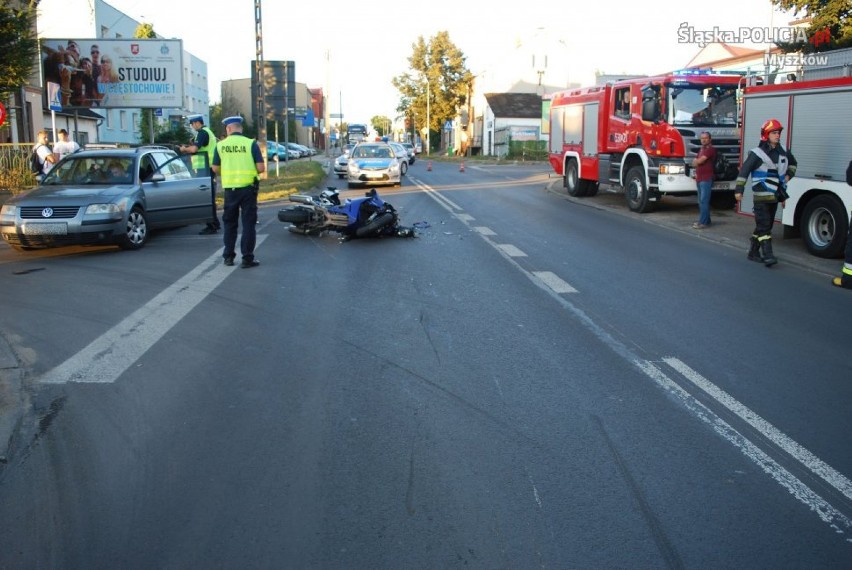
(429, 166)
(461, 166)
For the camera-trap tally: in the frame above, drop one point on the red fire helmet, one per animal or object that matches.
(768, 127)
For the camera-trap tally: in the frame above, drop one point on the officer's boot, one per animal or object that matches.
(754, 250)
(766, 248)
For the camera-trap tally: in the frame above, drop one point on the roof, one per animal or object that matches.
(515, 105)
(81, 113)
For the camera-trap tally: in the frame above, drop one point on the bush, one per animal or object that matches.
(15, 175)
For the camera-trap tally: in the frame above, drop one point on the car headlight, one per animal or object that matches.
(8, 210)
(672, 169)
(394, 167)
(353, 168)
(103, 209)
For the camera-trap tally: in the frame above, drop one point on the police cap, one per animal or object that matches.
(195, 119)
(231, 120)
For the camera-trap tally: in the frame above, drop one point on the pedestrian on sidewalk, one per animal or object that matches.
(238, 162)
(704, 166)
(771, 167)
(845, 279)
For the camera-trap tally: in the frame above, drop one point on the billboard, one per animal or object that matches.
(114, 73)
(279, 88)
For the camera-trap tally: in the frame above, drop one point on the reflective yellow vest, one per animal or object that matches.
(198, 158)
(237, 165)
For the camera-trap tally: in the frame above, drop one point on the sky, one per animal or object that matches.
(354, 49)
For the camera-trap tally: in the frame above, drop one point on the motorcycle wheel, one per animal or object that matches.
(377, 224)
(294, 215)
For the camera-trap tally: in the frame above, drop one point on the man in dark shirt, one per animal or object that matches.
(703, 164)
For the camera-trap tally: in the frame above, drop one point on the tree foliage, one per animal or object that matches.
(18, 44)
(830, 26)
(145, 31)
(381, 124)
(438, 70)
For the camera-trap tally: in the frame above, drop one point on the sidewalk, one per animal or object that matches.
(728, 227)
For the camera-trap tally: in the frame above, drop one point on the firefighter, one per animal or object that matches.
(771, 167)
(845, 279)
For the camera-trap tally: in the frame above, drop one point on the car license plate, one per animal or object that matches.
(45, 229)
(373, 175)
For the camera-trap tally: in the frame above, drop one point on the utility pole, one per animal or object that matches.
(258, 66)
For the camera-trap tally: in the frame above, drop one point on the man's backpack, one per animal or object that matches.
(36, 163)
(721, 167)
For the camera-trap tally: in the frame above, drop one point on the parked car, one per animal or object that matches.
(271, 150)
(298, 148)
(113, 196)
(291, 153)
(402, 155)
(412, 152)
(341, 166)
(373, 164)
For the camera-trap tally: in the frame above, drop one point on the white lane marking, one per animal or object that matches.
(465, 217)
(108, 356)
(484, 231)
(824, 510)
(773, 434)
(797, 488)
(510, 250)
(554, 282)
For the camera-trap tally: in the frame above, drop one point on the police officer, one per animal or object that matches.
(204, 144)
(770, 167)
(238, 161)
(845, 279)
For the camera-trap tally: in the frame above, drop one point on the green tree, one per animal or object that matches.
(830, 24)
(145, 31)
(437, 70)
(381, 124)
(18, 44)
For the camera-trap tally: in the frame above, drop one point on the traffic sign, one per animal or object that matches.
(448, 126)
(53, 96)
(2, 113)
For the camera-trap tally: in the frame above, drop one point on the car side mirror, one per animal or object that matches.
(156, 177)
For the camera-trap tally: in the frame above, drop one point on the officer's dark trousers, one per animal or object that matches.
(240, 209)
(764, 217)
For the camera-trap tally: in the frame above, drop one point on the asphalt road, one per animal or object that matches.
(532, 381)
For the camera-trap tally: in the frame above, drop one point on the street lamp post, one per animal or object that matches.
(428, 119)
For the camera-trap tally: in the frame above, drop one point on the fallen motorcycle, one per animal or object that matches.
(369, 216)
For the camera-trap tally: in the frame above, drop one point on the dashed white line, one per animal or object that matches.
(510, 250)
(482, 230)
(554, 282)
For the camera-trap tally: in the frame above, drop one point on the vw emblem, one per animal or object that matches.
(47, 212)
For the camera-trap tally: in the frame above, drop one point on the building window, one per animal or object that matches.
(108, 121)
(122, 120)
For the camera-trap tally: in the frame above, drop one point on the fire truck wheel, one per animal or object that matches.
(636, 191)
(573, 184)
(824, 225)
(592, 188)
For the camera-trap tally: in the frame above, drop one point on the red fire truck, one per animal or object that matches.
(817, 125)
(643, 133)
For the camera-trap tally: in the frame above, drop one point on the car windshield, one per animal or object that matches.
(371, 151)
(703, 105)
(85, 170)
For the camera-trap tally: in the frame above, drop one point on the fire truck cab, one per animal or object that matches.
(642, 134)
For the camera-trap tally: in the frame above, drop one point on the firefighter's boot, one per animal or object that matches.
(769, 258)
(754, 250)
